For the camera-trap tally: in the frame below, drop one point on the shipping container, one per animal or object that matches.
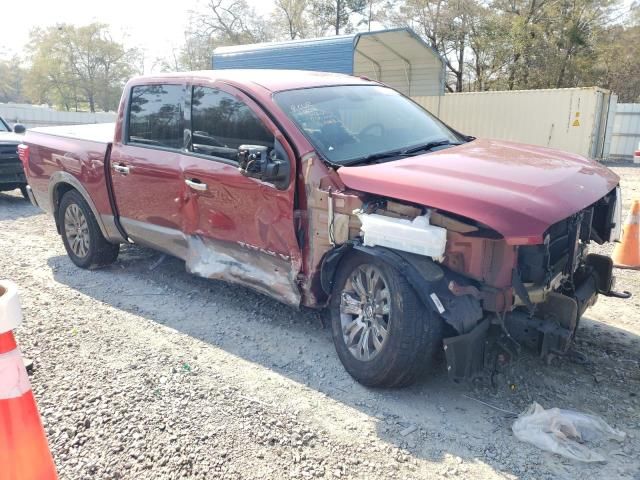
(570, 119)
(398, 57)
(625, 135)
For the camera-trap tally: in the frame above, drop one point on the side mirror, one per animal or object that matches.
(254, 162)
(19, 129)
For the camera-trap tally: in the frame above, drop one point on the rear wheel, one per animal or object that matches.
(384, 335)
(23, 191)
(81, 235)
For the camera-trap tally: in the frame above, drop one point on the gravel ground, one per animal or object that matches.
(145, 372)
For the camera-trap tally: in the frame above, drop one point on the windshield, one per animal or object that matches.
(3, 126)
(350, 122)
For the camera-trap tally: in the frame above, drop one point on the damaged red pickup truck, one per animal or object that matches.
(329, 190)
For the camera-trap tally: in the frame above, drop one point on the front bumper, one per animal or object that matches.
(550, 329)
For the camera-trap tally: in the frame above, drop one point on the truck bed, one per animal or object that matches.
(75, 153)
(96, 132)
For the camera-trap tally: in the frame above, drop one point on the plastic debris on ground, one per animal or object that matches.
(565, 432)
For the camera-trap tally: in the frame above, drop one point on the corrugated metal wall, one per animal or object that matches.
(332, 54)
(570, 119)
(34, 116)
(625, 134)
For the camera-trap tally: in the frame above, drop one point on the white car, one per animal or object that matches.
(11, 170)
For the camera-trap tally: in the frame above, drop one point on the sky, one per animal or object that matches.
(154, 26)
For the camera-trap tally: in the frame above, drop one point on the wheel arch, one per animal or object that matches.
(63, 182)
(421, 272)
(438, 288)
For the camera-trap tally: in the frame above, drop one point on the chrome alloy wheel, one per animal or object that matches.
(76, 230)
(365, 308)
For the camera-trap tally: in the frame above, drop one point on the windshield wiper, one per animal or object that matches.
(399, 153)
(375, 156)
(428, 146)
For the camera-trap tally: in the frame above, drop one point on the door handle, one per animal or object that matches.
(196, 184)
(123, 169)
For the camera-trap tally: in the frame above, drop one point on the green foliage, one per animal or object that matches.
(12, 76)
(523, 44)
(336, 14)
(78, 67)
(230, 22)
(291, 18)
(486, 45)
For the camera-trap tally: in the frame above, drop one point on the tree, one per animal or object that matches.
(194, 54)
(374, 10)
(291, 16)
(218, 23)
(75, 65)
(489, 49)
(229, 22)
(12, 76)
(511, 44)
(485, 44)
(335, 14)
(553, 40)
(617, 64)
(445, 25)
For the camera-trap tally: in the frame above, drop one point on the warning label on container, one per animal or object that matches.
(576, 123)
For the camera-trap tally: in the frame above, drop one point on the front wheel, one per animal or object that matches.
(81, 235)
(384, 335)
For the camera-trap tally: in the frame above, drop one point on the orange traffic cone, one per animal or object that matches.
(626, 254)
(24, 452)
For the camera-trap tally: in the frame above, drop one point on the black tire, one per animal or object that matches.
(414, 331)
(23, 191)
(99, 251)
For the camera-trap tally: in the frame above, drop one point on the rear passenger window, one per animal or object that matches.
(156, 115)
(220, 123)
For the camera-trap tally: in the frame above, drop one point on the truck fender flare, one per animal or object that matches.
(423, 278)
(429, 280)
(64, 177)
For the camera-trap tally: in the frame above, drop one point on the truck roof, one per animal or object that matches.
(272, 80)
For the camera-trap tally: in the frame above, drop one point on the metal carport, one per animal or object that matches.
(397, 57)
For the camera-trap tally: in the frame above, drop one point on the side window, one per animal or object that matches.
(220, 123)
(156, 115)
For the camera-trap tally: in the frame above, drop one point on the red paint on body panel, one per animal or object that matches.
(517, 190)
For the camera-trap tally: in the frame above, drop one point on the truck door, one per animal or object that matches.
(238, 229)
(145, 171)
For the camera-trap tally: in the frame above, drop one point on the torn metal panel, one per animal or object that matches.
(399, 210)
(319, 181)
(340, 228)
(451, 224)
(487, 260)
(263, 270)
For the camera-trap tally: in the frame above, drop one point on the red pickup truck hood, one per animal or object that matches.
(517, 190)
